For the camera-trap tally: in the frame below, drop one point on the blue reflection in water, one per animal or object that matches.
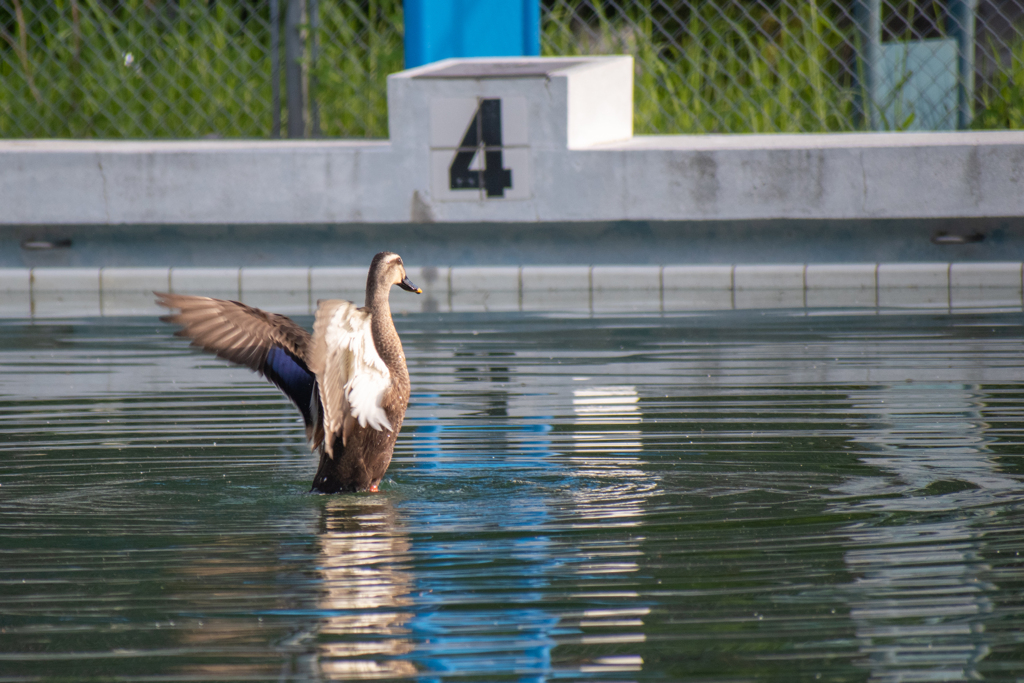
(527, 643)
(511, 637)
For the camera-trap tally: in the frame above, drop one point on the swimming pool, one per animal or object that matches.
(781, 495)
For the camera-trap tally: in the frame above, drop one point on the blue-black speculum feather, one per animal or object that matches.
(293, 378)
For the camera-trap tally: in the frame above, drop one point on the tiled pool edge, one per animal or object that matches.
(81, 292)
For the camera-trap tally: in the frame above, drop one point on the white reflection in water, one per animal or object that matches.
(608, 451)
(366, 583)
(606, 411)
(920, 589)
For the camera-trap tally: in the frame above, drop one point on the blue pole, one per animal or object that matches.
(438, 29)
(531, 28)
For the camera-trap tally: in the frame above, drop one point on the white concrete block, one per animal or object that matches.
(841, 276)
(347, 283)
(130, 303)
(913, 275)
(434, 283)
(274, 280)
(135, 280)
(517, 161)
(15, 280)
(450, 117)
(15, 305)
(586, 191)
(429, 278)
(557, 300)
(66, 304)
(66, 280)
(515, 122)
(768, 297)
(555, 278)
(697, 277)
(913, 297)
(285, 303)
(985, 285)
(467, 279)
(986, 298)
(626, 300)
(834, 297)
(600, 102)
(441, 189)
(769, 276)
(643, 278)
(65, 292)
(403, 302)
(215, 282)
(699, 299)
(15, 288)
(276, 290)
(485, 301)
(1001, 275)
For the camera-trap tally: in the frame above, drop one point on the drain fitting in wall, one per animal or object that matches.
(944, 238)
(44, 245)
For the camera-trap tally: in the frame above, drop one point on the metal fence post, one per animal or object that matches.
(314, 108)
(962, 25)
(275, 67)
(868, 15)
(293, 68)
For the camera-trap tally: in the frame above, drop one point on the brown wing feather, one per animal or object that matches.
(235, 332)
(246, 335)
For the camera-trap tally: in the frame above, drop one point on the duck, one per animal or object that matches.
(348, 378)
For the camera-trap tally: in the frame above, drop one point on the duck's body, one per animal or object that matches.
(348, 379)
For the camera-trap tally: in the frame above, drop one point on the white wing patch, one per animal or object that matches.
(351, 375)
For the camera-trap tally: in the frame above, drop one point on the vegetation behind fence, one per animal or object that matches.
(195, 68)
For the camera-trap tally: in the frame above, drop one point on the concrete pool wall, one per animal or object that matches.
(512, 163)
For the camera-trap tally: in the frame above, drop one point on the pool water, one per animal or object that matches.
(714, 497)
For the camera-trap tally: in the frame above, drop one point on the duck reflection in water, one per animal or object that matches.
(364, 564)
(348, 379)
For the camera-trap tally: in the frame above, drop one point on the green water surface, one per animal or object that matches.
(712, 497)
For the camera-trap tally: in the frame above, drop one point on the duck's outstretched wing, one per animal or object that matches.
(352, 377)
(272, 345)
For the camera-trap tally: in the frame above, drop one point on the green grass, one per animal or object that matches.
(82, 69)
(1003, 97)
(729, 71)
(79, 69)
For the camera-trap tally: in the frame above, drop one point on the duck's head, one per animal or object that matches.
(387, 269)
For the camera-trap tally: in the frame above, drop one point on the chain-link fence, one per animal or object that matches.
(238, 68)
(823, 65)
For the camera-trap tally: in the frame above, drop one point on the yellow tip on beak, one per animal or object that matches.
(419, 291)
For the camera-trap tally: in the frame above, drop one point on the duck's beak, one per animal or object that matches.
(408, 286)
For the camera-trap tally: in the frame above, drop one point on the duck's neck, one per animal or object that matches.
(385, 336)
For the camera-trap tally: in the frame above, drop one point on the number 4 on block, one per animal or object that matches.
(483, 136)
